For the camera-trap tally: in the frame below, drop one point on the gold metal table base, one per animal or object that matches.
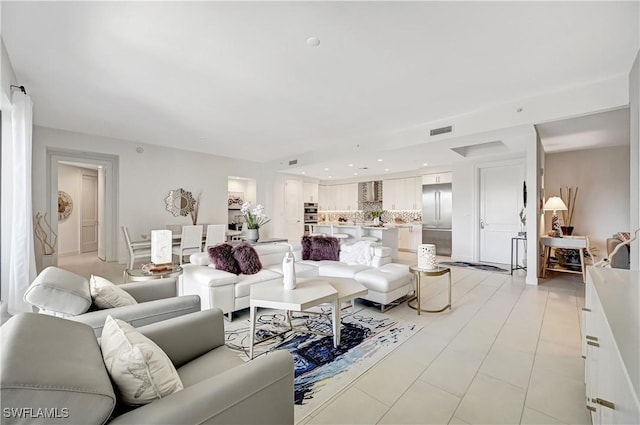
(418, 273)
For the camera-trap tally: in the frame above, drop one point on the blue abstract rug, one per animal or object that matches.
(321, 370)
(478, 266)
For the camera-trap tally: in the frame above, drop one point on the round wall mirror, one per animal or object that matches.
(180, 202)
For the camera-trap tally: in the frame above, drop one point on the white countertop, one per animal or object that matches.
(619, 294)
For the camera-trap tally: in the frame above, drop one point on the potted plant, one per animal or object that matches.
(376, 216)
(254, 219)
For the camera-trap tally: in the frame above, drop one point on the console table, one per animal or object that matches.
(567, 242)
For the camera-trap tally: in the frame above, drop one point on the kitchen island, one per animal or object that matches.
(388, 236)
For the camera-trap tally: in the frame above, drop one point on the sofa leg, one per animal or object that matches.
(229, 316)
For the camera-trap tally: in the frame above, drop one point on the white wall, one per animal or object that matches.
(146, 178)
(634, 189)
(602, 205)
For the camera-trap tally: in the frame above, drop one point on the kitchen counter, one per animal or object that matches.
(388, 236)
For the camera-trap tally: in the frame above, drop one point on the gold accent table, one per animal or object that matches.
(418, 273)
(137, 275)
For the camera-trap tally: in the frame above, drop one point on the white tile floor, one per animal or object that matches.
(506, 353)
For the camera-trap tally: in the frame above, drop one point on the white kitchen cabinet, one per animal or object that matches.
(409, 237)
(610, 344)
(341, 197)
(350, 196)
(310, 192)
(323, 201)
(402, 194)
(437, 178)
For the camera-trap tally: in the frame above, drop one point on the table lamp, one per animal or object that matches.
(555, 204)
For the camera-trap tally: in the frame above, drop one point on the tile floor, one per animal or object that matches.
(507, 353)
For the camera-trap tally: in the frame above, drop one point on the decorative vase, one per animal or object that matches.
(289, 271)
(427, 257)
(252, 235)
(567, 230)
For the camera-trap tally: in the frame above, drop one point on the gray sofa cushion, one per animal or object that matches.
(79, 383)
(59, 291)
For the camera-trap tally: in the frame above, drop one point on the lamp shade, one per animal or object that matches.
(554, 204)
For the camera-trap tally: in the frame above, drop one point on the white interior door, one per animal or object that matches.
(89, 214)
(293, 209)
(102, 175)
(500, 204)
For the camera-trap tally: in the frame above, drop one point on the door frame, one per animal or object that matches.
(111, 167)
(83, 174)
(520, 160)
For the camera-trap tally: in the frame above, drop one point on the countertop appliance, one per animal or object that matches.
(436, 216)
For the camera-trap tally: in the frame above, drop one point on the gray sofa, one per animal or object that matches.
(622, 258)
(61, 293)
(53, 365)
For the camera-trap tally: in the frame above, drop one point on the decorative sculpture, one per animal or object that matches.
(48, 248)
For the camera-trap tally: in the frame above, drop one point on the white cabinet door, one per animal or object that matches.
(437, 178)
(410, 193)
(310, 192)
(404, 238)
(416, 237)
(332, 197)
(388, 194)
(351, 196)
(322, 197)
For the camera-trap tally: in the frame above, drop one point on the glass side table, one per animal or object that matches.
(137, 275)
(418, 273)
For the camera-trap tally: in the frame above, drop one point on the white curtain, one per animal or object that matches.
(22, 265)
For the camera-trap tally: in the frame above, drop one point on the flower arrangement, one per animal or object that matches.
(255, 218)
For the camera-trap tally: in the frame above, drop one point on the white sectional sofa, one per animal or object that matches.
(385, 280)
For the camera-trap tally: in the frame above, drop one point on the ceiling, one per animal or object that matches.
(238, 79)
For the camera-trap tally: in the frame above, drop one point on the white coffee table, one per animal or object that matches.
(308, 293)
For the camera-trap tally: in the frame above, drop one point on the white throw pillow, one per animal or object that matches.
(140, 369)
(106, 294)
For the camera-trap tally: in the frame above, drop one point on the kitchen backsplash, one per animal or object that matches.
(390, 216)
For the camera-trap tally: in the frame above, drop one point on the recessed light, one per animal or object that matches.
(303, 172)
(329, 177)
(326, 169)
(313, 41)
(424, 164)
(350, 165)
(355, 174)
(386, 169)
(379, 160)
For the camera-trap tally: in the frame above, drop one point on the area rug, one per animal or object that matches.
(321, 370)
(479, 266)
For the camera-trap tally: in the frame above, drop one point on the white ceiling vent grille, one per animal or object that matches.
(293, 162)
(441, 130)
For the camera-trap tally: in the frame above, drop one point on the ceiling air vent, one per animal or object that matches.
(440, 130)
(293, 162)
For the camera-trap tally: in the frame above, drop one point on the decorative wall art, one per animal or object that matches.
(65, 205)
(180, 202)
(236, 199)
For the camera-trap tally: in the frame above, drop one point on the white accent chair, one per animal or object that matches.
(190, 243)
(215, 235)
(140, 249)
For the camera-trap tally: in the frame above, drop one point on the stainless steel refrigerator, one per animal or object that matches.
(436, 216)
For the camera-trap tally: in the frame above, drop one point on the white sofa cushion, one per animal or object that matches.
(106, 294)
(245, 281)
(200, 259)
(337, 269)
(140, 369)
(302, 269)
(386, 278)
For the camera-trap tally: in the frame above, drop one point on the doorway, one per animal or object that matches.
(78, 209)
(97, 230)
(500, 204)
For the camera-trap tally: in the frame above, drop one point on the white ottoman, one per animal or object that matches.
(386, 283)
